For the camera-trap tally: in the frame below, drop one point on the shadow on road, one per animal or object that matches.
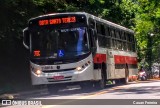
(147, 89)
(43, 92)
(63, 92)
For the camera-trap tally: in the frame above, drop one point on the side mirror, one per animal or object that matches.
(26, 38)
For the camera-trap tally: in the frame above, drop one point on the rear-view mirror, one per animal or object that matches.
(26, 38)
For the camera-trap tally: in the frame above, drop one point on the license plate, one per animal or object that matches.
(58, 77)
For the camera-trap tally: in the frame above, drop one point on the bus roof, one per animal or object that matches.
(111, 23)
(91, 16)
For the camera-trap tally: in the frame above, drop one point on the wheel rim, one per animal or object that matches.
(126, 75)
(127, 79)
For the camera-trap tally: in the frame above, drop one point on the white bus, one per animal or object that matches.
(78, 47)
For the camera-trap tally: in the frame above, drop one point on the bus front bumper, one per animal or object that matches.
(63, 77)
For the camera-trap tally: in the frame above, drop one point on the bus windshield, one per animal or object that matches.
(59, 43)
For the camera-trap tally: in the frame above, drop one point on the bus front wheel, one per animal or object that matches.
(126, 79)
(101, 84)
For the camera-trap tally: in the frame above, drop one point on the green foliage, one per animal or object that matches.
(146, 23)
(157, 13)
(141, 15)
(128, 13)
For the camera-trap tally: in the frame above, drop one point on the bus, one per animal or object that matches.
(77, 47)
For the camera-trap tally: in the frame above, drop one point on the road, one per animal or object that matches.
(73, 97)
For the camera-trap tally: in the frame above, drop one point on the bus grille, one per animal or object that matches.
(60, 70)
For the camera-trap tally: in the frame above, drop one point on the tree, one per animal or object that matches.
(147, 22)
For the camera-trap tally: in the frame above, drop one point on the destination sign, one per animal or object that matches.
(57, 21)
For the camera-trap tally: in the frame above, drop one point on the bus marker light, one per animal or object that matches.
(86, 64)
(89, 62)
(83, 66)
(37, 53)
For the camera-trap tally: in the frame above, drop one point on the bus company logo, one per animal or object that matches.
(58, 67)
(6, 102)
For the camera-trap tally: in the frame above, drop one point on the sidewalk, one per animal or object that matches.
(148, 80)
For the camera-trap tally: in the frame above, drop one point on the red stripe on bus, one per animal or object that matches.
(131, 60)
(119, 59)
(125, 59)
(99, 58)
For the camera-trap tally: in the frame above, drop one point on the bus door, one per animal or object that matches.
(110, 65)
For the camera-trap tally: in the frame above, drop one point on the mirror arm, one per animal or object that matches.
(27, 47)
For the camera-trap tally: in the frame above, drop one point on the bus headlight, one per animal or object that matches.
(80, 68)
(38, 72)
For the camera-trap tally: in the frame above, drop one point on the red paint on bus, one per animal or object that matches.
(100, 58)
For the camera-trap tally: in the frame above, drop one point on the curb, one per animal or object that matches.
(148, 80)
(23, 93)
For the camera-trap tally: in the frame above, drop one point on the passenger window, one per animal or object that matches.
(108, 32)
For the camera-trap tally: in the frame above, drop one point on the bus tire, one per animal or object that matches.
(52, 89)
(126, 79)
(101, 84)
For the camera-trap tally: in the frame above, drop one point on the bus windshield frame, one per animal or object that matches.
(59, 42)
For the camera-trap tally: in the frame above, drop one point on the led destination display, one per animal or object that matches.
(57, 21)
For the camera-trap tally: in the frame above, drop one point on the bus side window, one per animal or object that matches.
(107, 32)
(134, 47)
(108, 37)
(119, 44)
(114, 44)
(117, 35)
(98, 27)
(108, 42)
(134, 44)
(128, 46)
(102, 29)
(91, 23)
(122, 36)
(113, 33)
(125, 36)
